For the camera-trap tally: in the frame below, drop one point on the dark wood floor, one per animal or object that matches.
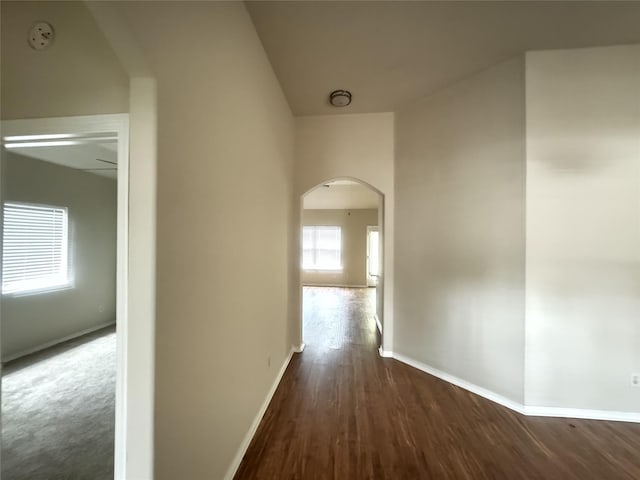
(342, 412)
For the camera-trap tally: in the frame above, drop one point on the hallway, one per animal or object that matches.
(342, 412)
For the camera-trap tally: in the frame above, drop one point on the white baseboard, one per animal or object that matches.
(375, 316)
(611, 416)
(233, 468)
(385, 353)
(528, 410)
(483, 392)
(300, 348)
(57, 341)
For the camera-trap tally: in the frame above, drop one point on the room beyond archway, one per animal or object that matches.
(341, 260)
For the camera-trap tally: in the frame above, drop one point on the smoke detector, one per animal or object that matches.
(340, 98)
(40, 35)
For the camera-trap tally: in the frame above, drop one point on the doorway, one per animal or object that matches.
(341, 259)
(373, 256)
(103, 138)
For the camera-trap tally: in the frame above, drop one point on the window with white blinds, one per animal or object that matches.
(35, 248)
(322, 248)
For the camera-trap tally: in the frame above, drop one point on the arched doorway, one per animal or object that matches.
(341, 256)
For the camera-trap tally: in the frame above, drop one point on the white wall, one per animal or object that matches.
(583, 228)
(357, 146)
(353, 224)
(225, 166)
(77, 75)
(459, 271)
(29, 321)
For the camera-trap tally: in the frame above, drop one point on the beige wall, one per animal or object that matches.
(459, 222)
(225, 166)
(29, 321)
(357, 146)
(77, 75)
(353, 224)
(583, 228)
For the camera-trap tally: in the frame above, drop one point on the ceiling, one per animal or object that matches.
(389, 53)
(98, 158)
(341, 195)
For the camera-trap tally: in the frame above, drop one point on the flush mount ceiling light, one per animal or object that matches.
(340, 98)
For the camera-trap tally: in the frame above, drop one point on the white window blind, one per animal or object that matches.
(35, 248)
(321, 248)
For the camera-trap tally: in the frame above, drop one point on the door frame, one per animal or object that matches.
(117, 124)
(372, 228)
(384, 328)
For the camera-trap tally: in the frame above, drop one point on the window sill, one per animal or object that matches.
(323, 270)
(39, 291)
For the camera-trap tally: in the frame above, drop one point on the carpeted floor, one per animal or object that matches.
(58, 410)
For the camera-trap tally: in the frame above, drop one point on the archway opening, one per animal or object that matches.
(341, 259)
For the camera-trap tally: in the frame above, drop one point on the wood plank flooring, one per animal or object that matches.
(342, 412)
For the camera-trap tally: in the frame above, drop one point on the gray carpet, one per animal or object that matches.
(58, 410)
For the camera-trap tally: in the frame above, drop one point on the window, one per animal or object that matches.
(35, 248)
(321, 248)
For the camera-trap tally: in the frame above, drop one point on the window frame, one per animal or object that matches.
(60, 281)
(315, 267)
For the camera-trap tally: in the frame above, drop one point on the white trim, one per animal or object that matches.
(299, 348)
(258, 418)
(334, 285)
(378, 324)
(81, 124)
(141, 285)
(122, 308)
(117, 124)
(384, 353)
(528, 410)
(52, 343)
(372, 280)
(483, 392)
(582, 413)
